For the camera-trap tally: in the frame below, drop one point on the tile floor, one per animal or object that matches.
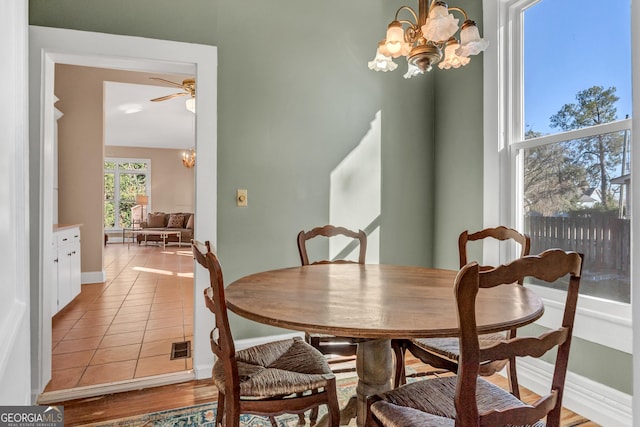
(123, 328)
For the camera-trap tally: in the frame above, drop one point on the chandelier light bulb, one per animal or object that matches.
(189, 159)
(440, 24)
(382, 62)
(412, 70)
(451, 59)
(470, 41)
(395, 37)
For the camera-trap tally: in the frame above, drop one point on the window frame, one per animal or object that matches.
(602, 321)
(116, 183)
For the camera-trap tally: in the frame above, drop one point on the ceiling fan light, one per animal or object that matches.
(191, 105)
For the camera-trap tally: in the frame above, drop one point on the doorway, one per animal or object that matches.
(51, 46)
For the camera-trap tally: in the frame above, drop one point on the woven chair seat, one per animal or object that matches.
(401, 416)
(277, 368)
(450, 347)
(430, 403)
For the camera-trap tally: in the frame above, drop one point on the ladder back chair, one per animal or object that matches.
(271, 379)
(444, 353)
(468, 400)
(328, 344)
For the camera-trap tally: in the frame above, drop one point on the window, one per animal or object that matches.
(562, 161)
(124, 179)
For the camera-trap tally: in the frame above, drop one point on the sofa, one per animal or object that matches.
(161, 221)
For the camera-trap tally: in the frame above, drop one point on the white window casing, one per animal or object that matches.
(598, 320)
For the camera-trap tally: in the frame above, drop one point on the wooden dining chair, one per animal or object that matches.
(329, 344)
(270, 379)
(466, 399)
(444, 353)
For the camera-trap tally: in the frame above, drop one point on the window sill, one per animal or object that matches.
(597, 320)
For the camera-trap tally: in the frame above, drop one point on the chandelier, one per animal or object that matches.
(189, 159)
(427, 39)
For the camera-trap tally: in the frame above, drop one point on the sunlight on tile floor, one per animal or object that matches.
(124, 328)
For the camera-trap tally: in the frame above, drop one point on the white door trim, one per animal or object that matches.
(49, 46)
(15, 386)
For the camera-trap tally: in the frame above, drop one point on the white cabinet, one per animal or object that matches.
(66, 281)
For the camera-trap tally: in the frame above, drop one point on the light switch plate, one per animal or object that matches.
(241, 197)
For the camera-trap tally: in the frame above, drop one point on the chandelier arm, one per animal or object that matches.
(406, 21)
(457, 9)
(408, 9)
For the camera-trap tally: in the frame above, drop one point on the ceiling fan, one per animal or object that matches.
(188, 85)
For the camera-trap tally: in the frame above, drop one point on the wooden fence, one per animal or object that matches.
(604, 240)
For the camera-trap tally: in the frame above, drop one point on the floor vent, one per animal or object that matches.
(181, 350)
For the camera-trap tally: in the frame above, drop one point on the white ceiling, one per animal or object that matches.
(131, 119)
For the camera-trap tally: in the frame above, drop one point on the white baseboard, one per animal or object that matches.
(93, 277)
(204, 370)
(599, 403)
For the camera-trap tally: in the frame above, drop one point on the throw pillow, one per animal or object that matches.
(176, 221)
(156, 220)
(190, 222)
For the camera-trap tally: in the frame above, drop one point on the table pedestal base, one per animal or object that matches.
(374, 365)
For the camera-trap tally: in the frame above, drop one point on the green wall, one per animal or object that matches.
(458, 148)
(294, 98)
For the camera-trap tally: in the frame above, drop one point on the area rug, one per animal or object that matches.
(204, 415)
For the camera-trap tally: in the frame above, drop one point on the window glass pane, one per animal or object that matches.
(571, 46)
(109, 182)
(575, 193)
(125, 213)
(123, 181)
(132, 185)
(132, 166)
(579, 201)
(109, 214)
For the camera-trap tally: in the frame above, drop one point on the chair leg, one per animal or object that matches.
(511, 369)
(273, 421)
(220, 409)
(332, 403)
(553, 417)
(513, 378)
(399, 349)
(313, 415)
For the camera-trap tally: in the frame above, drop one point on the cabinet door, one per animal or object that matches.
(74, 270)
(67, 275)
(54, 283)
(65, 294)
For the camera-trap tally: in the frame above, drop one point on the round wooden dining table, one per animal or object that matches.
(375, 302)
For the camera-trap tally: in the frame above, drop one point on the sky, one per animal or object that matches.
(571, 45)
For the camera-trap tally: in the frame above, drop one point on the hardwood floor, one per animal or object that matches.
(120, 405)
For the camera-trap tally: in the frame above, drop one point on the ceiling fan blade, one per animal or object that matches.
(164, 98)
(167, 81)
